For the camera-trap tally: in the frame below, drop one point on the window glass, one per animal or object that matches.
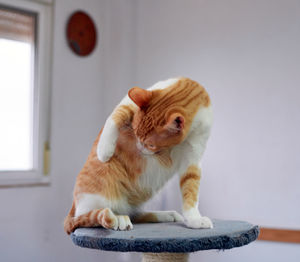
(17, 54)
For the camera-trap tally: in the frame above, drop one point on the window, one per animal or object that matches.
(24, 91)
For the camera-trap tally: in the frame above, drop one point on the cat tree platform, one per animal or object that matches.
(167, 241)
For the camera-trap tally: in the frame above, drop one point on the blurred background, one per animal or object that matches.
(246, 54)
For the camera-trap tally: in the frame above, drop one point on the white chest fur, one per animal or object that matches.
(155, 174)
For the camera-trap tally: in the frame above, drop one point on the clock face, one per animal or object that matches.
(81, 33)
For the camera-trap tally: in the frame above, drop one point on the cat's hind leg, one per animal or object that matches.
(90, 211)
(124, 223)
(157, 217)
(116, 222)
(98, 217)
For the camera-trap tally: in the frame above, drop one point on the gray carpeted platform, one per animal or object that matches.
(168, 237)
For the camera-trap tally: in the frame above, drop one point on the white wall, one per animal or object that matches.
(246, 53)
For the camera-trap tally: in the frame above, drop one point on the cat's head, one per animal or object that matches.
(157, 124)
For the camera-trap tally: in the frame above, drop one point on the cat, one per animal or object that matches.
(151, 135)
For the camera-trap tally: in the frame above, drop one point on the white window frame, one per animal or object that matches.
(42, 83)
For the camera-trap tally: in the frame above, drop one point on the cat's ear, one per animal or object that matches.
(139, 96)
(175, 123)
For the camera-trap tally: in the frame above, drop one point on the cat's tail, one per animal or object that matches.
(97, 217)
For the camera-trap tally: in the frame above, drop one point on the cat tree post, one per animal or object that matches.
(167, 241)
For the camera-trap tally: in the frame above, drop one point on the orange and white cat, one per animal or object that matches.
(150, 136)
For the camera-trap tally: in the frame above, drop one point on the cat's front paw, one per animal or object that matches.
(105, 150)
(107, 143)
(199, 222)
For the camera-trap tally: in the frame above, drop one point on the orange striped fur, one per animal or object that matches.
(158, 120)
(184, 98)
(189, 185)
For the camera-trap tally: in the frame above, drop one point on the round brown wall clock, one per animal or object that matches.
(81, 33)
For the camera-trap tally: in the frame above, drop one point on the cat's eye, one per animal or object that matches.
(152, 146)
